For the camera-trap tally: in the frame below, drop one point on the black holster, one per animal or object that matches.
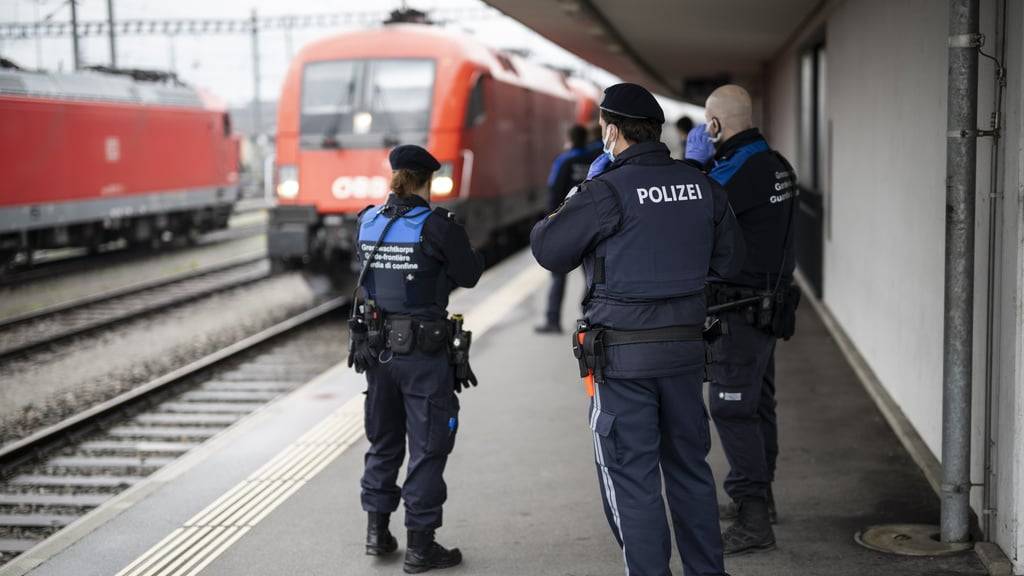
(588, 349)
(787, 300)
(366, 337)
(458, 355)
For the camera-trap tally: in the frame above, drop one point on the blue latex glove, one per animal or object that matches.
(698, 146)
(599, 165)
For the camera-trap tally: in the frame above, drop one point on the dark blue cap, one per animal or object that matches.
(632, 101)
(412, 157)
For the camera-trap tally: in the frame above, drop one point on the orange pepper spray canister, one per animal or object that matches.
(588, 378)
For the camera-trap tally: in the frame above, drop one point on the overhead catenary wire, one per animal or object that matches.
(47, 28)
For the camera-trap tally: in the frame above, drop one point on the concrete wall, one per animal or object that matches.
(884, 261)
(1008, 403)
(884, 255)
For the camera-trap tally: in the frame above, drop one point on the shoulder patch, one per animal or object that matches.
(444, 213)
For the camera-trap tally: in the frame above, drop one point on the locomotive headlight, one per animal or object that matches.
(443, 184)
(362, 122)
(287, 181)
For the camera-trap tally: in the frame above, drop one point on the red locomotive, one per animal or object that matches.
(494, 120)
(100, 155)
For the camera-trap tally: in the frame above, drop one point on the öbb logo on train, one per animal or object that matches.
(346, 187)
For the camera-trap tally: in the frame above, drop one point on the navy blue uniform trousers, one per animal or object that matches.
(411, 396)
(646, 428)
(742, 394)
(556, 294)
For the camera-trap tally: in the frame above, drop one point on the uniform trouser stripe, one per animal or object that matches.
(609, 485)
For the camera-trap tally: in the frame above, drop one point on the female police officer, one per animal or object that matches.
(412, 257)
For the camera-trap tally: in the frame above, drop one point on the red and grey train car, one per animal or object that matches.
(96, 156)
(494, 121)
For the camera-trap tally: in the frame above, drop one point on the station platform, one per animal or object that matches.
(279, 492)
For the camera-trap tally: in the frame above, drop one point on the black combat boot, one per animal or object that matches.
(731, 510)
(379, 540)
(422, 553)
(752, 531)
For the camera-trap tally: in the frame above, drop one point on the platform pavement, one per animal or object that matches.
(523, 493)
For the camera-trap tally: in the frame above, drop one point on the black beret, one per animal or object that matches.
(412, 157)
(632, 101)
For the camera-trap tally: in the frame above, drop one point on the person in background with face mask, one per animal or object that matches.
(648, 231)
(761, 186)
(569, 169)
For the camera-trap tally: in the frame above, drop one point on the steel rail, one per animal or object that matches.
(69, 430)
(21, 274)
(127, 292)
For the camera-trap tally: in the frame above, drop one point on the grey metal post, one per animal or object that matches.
(958, 332)
(110, 26)
(289, 24)
(254, 25)
(74, 35)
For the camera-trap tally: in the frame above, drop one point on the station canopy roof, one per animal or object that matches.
(681, 48)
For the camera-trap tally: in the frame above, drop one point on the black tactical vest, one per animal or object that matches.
(663, 247)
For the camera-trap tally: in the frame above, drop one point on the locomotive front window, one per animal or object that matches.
(330, 87)
(366, 103)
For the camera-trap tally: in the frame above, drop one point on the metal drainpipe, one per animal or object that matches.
(993, 322)
(958, 330)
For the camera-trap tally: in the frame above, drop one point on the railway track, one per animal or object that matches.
(28, 332)
(55, 476)
(77, 260)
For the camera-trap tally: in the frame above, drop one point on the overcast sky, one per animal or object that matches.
(222, 64)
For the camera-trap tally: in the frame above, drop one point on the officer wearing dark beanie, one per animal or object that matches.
(648, 231)
(412, 157)
(408, 270)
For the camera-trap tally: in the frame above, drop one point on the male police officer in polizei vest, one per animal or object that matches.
(647, 230)
(401, 338)
(760, 304)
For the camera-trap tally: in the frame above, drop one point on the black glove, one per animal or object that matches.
(464, 377)
(360, 355)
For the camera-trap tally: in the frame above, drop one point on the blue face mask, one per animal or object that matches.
(608, 147)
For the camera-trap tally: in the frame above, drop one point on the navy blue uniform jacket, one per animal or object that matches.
(590, 215)
(761, 186)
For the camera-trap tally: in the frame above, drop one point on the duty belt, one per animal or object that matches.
(719, 294)
(757, 306)
(589, 342)
(403, 334)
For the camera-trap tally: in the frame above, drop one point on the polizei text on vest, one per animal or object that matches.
(673, 193)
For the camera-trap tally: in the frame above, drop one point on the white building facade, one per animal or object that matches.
(857, 100)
